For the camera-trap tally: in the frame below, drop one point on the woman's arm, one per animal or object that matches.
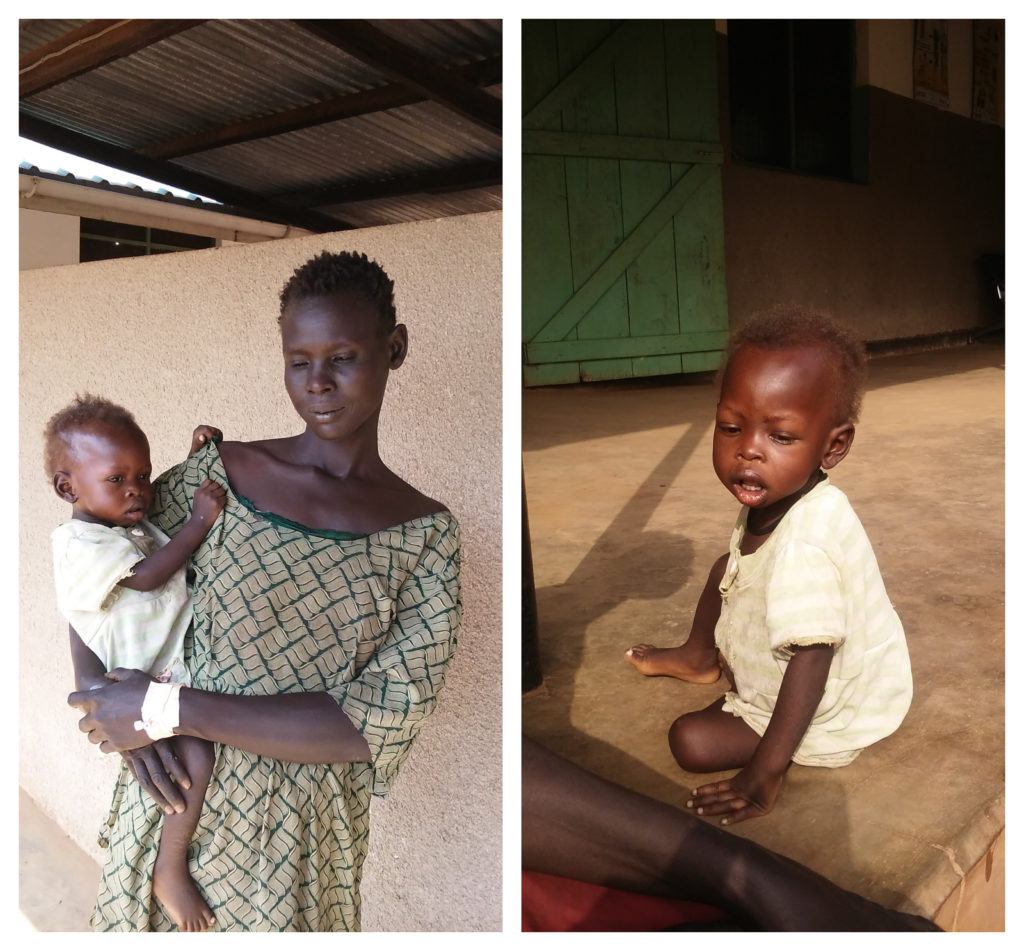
(295, 727)
(156, 767)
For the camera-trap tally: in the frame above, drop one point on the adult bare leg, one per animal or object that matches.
(580, 826)
(696, 660)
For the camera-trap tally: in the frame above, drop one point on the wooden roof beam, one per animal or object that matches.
(39, 130)
(407, 65)
(429, 181)
(483, 73)
(88, 47)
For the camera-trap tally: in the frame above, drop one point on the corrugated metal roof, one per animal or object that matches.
(384, 211)
(225, 71)
(34, 33)
(374, 146)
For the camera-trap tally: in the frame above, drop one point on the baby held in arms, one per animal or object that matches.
(795, 614)
(121, 585)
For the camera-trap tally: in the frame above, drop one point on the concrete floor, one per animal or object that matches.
(626, 517)
(57, 881)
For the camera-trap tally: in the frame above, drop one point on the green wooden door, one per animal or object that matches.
(623, 256)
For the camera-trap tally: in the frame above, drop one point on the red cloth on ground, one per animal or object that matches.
(552, 903)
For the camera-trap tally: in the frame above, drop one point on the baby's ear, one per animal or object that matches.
(839, 442)
(63, 487)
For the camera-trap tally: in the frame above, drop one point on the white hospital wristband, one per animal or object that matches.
(159, 715)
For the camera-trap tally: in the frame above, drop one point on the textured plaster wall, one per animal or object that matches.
(46, 239)
(189, 337)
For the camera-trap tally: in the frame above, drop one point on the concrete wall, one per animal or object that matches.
(885, 58)
(896, 257)
(46, 239)
(886, 49)
(189, 337)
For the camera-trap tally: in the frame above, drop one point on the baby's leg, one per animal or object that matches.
(172, 884)
(696, 661)
(711, 740)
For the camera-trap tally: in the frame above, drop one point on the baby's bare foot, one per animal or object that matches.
(174, 889)
(684, 663)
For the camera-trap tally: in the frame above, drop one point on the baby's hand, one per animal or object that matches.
(208, 503)
(747, 794)
(202, 435)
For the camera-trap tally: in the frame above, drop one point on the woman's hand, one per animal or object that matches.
(749, 793)
(159, 772)
(111, 711)
(201, 435)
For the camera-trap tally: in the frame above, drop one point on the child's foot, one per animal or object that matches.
(174, 889)
(693, 665)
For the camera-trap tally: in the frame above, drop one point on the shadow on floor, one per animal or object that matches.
(599, 584)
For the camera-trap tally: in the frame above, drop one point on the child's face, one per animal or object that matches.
(108, 476)
(336, 363)
(775, 424)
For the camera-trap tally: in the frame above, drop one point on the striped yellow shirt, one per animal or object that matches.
(815, 580)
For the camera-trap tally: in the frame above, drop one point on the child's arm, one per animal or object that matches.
(201, 435)
(89, 671)
(151, 572)
(753, 790)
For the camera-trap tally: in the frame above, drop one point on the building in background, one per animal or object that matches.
(680, 175)
(379, 137)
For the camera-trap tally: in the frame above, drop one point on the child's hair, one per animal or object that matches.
(80, 415)
(789, 328)
(328, 274)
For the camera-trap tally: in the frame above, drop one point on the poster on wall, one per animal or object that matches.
(931, 62)
(988, 69)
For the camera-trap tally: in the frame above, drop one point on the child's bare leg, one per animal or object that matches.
(172, 884)
(696, 661)
(711, 740)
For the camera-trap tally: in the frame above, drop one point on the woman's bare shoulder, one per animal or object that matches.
(411, 502)
(247, 464)
(241, 453)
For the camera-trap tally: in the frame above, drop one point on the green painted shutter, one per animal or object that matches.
(623, 254)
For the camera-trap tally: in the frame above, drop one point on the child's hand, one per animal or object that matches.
(747, 794)
(160, 773)
(202, 435)
(208, 503)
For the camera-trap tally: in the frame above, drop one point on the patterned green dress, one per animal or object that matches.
(372, 620)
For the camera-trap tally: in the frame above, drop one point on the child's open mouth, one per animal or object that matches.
(749, 491)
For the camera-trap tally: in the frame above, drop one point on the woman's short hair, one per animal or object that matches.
(339, 272)
(80, 415)
(790, 328)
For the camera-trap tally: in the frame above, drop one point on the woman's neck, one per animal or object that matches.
(357, 456)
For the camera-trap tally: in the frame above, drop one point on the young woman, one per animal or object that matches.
(326, 606)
